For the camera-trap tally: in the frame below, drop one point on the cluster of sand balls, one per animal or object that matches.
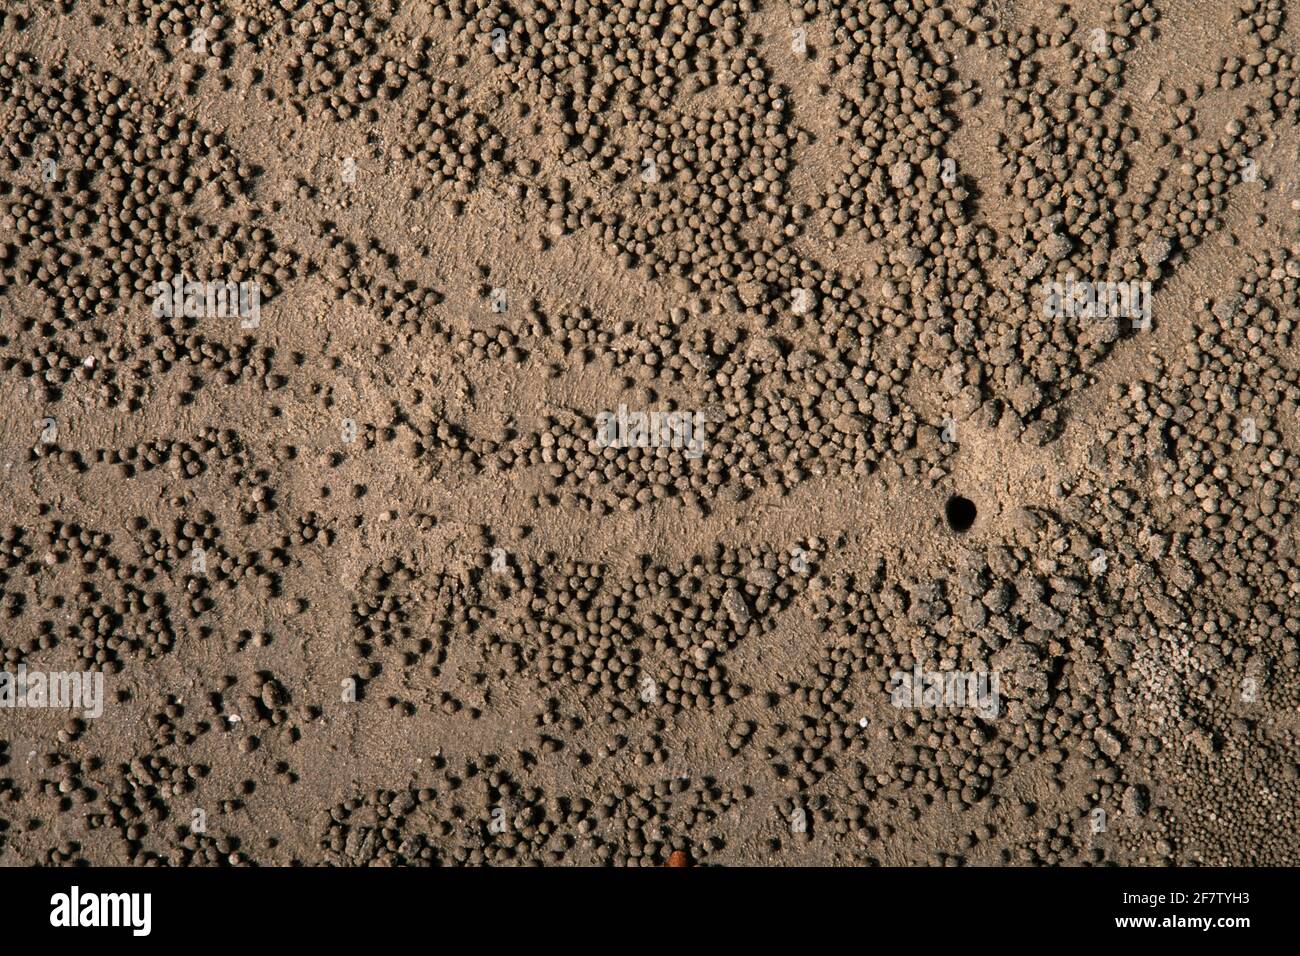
(661, 710)
(478, 814)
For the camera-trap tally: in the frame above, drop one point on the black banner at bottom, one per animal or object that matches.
(362, 906)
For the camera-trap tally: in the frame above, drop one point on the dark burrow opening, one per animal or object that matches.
(960, 513)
